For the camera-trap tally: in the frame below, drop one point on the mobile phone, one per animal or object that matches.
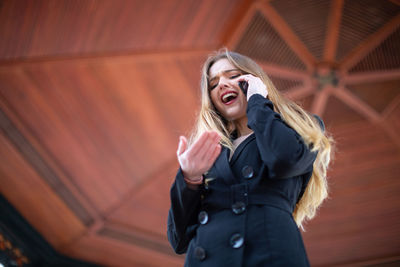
(244, 85)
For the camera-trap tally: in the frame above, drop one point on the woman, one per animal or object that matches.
(253, 170)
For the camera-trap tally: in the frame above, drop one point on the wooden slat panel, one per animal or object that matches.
(362, 212)
(109, 252)
(106, 115)
(359, 23)
(337, 113)
(262, 42)
(53, 28)
(34, 199)
(147, 209)
(308, 20)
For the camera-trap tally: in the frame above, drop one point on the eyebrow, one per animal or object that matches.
(225, 71)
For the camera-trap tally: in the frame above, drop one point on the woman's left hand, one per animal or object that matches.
(256, 85)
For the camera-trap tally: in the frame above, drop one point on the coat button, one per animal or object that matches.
(247, 172)
(200, 253)
(238, 207)
(207, 183)
(203, 217)
(236, 241)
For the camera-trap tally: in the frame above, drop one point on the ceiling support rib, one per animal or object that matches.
(365, 47)
(287, 34)
(391, 107)
(131, 193)
(53, 167)
(90, 231)
(332, 36)
(357, 104)
(299, 92)
(279, 71)
(235, 29)
(387, 126)
(241, 27)
(372, 76)
(319, 103)
(151, 54)
(392, 133)
(100, 222)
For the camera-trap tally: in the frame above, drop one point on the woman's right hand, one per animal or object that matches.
(200, 156)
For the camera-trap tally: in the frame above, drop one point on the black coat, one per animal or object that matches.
(242, 214)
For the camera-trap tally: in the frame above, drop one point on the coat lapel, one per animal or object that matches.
(223, 167)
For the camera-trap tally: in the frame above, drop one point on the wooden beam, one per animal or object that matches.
(136, 231)
(110, 248)
(319, 103)
(365, 47)
(35, 153)
(357, 104)
(287, 34)
(391, 107)
(237, 24)
(299, 92)
(233, 38)
(283, 72)
(132, 192)
(332, 35)
(151, 54)
(392, 133)
(372, 76)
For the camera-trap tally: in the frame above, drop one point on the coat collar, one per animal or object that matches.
(223, 165)
(240, 148)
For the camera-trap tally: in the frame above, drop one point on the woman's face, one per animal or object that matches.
(225, 92)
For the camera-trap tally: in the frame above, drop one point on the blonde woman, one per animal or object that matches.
(253, 170)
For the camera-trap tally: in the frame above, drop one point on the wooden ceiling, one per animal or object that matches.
(94, 94)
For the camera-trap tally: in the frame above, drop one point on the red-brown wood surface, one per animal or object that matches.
(94, 94)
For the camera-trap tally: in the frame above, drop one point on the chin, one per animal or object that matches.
(233, 116)
(234, 112)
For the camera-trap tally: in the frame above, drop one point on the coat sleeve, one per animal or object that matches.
(282, 149)
(182, 216)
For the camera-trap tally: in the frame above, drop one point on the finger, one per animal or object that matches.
(243, 77)
(209, 146)
(210, 155)
(194, 149)
(256, 86)
(215, 154)
(182, 145)
(205, 150)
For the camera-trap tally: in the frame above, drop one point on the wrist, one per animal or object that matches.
(194, 181)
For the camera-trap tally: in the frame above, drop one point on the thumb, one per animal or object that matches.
(182, 145)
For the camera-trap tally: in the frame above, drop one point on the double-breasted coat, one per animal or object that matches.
(242, 214)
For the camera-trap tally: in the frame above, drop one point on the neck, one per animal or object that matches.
(241, 127)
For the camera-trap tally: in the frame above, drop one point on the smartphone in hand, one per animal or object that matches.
(244, 85)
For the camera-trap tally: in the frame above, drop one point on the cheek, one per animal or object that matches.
(214, 98)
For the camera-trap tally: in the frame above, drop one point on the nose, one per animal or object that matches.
(223, 83)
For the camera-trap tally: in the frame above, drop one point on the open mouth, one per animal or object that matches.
(228, 97)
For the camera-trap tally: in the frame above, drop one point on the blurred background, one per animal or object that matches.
(94, 94)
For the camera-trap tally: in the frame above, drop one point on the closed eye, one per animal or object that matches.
(212, 86)
(214, 81)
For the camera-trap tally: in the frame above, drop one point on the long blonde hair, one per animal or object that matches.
(304, 124)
